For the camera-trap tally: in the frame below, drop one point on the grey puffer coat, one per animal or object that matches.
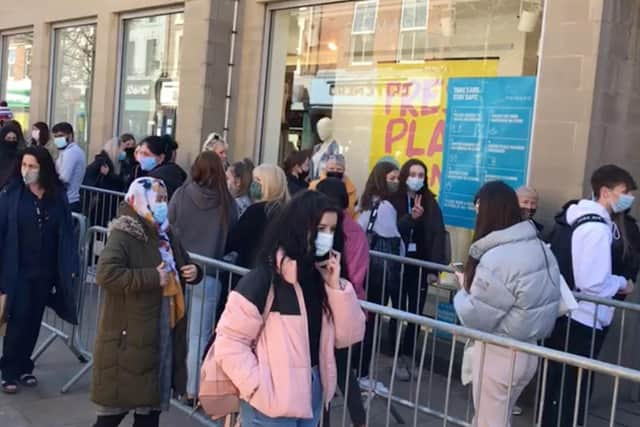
(515, 291)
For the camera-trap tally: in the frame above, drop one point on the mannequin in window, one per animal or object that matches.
(329, 147)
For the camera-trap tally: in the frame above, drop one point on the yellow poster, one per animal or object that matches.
(411, 109)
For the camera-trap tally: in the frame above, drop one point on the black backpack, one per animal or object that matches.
(560, 240)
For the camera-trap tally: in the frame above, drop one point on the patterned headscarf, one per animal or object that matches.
(142, 196)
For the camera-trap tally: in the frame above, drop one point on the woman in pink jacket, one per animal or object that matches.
(277, 336)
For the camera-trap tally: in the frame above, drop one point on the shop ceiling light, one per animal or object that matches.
(332, 46)
(529, 14)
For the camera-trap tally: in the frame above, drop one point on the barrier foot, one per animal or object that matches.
(44, 346)
(86, 368)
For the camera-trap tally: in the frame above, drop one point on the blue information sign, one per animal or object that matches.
(487, 136)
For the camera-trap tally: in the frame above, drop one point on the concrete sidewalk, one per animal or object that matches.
(45, 406)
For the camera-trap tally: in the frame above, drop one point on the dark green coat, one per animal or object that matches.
(126, 355)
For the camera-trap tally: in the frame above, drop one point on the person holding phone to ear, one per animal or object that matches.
(277, 336)
(422, 228)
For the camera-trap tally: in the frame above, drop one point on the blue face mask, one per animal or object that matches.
(122, 155)
(624, 202)
(160, 212)
(147, 163)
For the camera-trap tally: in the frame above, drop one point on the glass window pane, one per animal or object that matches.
(151, 76)
(385, 90)
(74, 51)
(16, 75)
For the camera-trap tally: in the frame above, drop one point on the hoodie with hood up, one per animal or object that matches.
(195, 213)
(591, 261)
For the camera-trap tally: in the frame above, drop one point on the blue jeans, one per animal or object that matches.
(250, 417)
(204, 301)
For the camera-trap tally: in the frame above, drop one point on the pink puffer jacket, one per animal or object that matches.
(274, 375)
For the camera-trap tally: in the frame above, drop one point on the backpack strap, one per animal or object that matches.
(584, 219)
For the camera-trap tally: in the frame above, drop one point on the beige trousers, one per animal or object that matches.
(492, 402)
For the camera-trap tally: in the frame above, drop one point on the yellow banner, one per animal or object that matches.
(409, 121)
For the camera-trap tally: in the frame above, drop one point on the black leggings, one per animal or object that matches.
(580, 344)
(354, 398)
(413, 297)
(152, 419)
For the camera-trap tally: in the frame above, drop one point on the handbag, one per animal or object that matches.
(466, 371)
(3, 315)
(218, 396)
(568, 302)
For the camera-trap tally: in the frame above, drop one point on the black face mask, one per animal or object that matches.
(338, 175)
(130, 151)
(527, 213)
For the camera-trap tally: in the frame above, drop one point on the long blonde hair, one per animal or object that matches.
(273, 182)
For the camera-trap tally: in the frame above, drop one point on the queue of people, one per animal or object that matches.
(307, 245)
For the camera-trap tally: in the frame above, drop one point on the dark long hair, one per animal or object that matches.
(297, 158)
(294, 231)
(208, 172)
(377, 185)
(159, 145)
(244, 171)
(45, 135)
(48, 178)
(428, 198)
(498, 209)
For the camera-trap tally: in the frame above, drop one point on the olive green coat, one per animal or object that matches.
(126, 355)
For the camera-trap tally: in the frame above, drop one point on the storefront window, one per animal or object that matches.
(150, 75)
(74, 53)
(16, 75)
(381, 71)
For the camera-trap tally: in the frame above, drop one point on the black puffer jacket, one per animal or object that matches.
(171, 174)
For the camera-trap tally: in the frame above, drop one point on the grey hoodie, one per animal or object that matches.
(515, 291)
(195, 214)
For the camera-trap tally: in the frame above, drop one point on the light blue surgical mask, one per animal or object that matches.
(414, 183)
(160, 212)
(624, 202)
(147, 163)
(60, 142)
(122, 155)
(324, 243)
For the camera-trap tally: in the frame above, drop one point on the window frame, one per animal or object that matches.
(360, 35)
(4, 53)
(52, 69)
(120, 61)
(414, 31)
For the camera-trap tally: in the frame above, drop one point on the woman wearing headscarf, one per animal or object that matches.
(9, 138)
(140, 351)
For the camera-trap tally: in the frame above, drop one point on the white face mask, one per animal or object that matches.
(414, 183)
(30, 176)
(35, 134)
(324, 243)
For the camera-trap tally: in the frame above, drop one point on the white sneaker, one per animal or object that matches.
(369, 385)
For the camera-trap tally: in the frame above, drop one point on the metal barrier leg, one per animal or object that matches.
(86, 368)
(44, 346)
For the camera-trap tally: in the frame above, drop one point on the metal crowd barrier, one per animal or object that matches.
(56, 327)
(434, 392)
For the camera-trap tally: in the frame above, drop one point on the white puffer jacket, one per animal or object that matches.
(515, 291)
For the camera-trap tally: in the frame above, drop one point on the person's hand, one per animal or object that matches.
(164, 276)
(417, 211)
(104, 170)
(330, 269)
(629, 289)
(189, 272)
(432, 278)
